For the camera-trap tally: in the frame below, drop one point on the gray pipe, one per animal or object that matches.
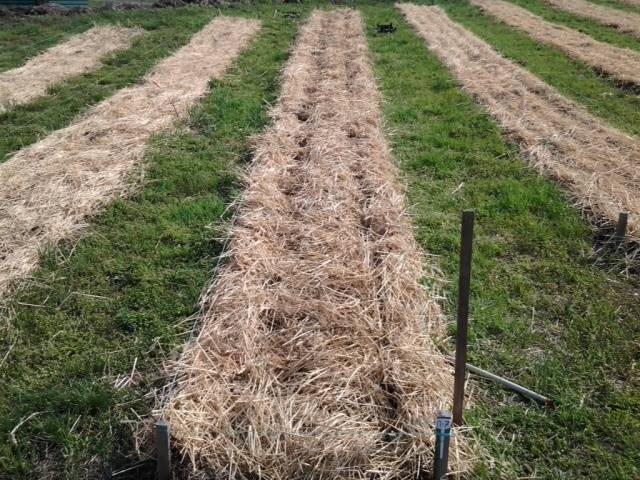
(509, 384)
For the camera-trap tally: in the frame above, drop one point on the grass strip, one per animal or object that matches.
(125, 291)
(572, 78)
(542, 314)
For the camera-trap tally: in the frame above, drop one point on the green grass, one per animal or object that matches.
(582, 24)
(542, 314)
(128, 287)
(167, 30)
(572, 78)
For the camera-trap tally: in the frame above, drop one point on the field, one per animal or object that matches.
(86, 335)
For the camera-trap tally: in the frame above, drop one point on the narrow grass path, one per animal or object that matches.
(168, 29)
(570, 77)
(123, 296)
(582, 24)
(542, 314)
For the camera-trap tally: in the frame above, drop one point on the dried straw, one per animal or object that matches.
(315, 358)
(626, 22)
(595, 161)
(48, 189)
(80, 54)
(622, 63)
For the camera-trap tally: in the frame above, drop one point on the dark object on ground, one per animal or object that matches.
(384, 28)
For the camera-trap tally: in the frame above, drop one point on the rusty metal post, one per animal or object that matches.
(464, 282)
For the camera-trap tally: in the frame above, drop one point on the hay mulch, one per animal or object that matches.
(626, 22)
(621, 63)
(80, 54)
(597, 163)
(315, 356)
(48, 190)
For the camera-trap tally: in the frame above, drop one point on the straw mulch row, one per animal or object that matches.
(315, 357)
(626, 22)
(621, 63)
(597, 163)
(48, 190)
(80, 54)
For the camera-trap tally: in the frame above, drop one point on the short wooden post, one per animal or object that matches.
(163, 451)
(621, 228)
(464, 282)
(441, 454)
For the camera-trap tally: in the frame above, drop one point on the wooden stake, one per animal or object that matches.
(464, 282)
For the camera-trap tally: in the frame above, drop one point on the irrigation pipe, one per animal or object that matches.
(508, 384)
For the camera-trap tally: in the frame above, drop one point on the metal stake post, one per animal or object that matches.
(441, 455)
(464, 283)
(163, 451)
